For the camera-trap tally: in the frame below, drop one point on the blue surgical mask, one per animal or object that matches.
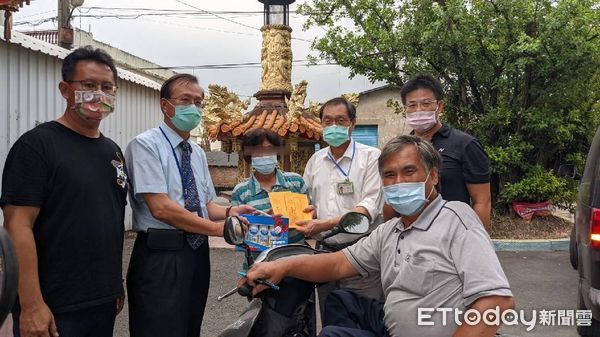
(406, 198)
(264, 165)
(187, 117)
(335, 135)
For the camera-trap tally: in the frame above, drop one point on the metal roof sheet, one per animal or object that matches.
(57, 51)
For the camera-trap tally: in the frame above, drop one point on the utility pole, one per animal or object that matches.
(65, 32)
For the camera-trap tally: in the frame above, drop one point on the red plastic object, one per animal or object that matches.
(527, 210)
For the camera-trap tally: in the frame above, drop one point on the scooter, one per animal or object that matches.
(285, 309)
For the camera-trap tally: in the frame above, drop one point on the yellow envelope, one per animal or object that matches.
(277, 200)
(290, 205)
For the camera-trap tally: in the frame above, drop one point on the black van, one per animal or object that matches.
(585, 238)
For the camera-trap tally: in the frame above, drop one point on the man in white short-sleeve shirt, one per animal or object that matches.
(341, 178)
(425, 260)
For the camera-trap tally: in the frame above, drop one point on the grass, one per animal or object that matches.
(513, 227)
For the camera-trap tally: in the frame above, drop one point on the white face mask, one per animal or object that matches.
(421, 121)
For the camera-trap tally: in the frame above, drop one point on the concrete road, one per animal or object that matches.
(540, 280)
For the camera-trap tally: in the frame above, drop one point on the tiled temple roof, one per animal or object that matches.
(224, 118)
(304, 126)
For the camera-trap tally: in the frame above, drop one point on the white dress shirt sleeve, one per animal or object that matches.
(372, 198)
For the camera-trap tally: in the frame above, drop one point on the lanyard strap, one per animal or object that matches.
(174, 154)
(200, 211)
(351, 160)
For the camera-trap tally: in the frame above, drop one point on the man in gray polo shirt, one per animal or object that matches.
(434, 261)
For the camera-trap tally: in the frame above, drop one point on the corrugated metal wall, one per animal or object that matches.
(29, 94)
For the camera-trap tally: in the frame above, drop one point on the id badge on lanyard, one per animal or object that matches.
(345, 187)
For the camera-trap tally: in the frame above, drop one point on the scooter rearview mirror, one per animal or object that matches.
(354, 223)
(233, 231)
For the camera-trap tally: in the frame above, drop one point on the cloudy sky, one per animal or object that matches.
(207, 36)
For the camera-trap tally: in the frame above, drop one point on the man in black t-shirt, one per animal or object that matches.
(465, 174)
(64, 189)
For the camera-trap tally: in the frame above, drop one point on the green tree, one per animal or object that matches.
(522, 76)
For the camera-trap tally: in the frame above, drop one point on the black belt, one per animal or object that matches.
(163, 239)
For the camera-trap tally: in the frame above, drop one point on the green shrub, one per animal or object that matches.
(541, 185)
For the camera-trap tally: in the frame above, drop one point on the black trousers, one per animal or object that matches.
(350, 315)
(167, 289)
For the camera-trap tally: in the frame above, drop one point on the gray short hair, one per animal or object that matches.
(430, 157)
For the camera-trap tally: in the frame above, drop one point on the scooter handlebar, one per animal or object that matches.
(245, 290)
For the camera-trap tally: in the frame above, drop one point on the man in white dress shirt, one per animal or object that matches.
(342, 177)
(172, 198)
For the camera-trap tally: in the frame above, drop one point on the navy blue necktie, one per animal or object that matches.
(190, 192)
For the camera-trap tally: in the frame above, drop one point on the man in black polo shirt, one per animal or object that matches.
(64, 189)
(465, 174)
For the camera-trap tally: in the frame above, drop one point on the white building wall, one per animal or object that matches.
(29, 94)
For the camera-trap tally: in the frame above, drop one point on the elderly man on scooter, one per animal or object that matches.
(436, 261)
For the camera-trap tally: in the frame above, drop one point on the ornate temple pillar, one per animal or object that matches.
(276, 60)
(293, 147)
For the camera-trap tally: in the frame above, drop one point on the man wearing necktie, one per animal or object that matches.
(173, 213)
